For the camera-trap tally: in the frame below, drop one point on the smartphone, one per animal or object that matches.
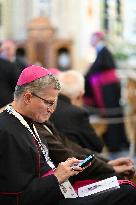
(87, 160)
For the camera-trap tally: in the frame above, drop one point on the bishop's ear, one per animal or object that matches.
(27, 97)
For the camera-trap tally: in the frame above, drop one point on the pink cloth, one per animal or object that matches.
(32, 73)
(97, 81)
(127, 182)
(54, 71)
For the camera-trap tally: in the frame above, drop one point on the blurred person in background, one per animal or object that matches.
(8, 50)
(8, 79)
(14, 54)
(21, 58)
(74, 120)
(103, 93)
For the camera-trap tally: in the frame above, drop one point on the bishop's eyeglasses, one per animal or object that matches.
(46, 102)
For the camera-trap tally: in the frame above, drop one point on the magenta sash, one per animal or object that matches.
(127, 182)
(97, 81)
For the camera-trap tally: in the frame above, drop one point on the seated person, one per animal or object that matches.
(28, 175)
(61, 148)
(69, 117)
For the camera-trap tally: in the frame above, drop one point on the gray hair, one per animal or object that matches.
(37, 86)
(72, 83)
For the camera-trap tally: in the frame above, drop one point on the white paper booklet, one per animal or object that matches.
(67, 190)
(99, 187)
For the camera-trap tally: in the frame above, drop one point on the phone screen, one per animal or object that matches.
(86, 161)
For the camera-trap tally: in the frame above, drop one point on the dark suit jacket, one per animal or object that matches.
(73, 122)
(62, 148)
(8, 79)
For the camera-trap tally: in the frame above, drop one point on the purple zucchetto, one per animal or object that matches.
(32, 73)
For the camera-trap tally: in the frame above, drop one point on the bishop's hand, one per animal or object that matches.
(67, 169)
